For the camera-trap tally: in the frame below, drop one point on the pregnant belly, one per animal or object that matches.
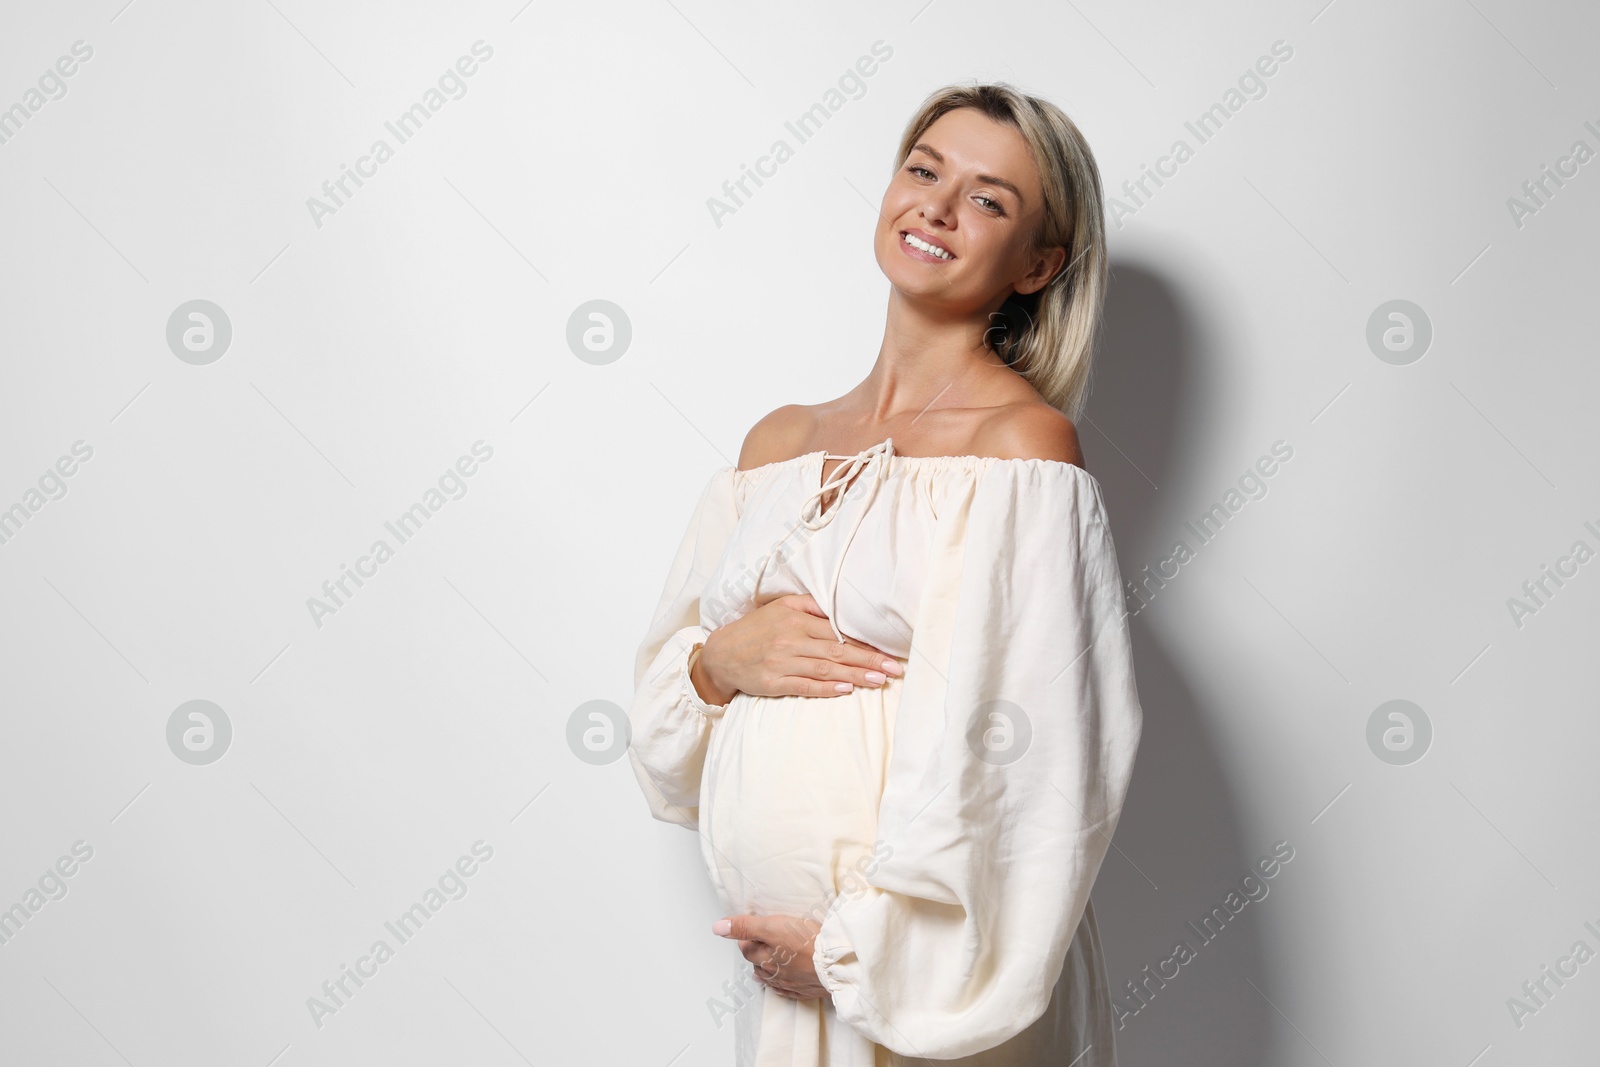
(789, 801)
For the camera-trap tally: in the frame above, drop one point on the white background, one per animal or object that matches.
(430, 312)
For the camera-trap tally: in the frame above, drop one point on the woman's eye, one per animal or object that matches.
(914, 168)
(995, 204)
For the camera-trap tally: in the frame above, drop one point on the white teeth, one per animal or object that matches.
(924, 246)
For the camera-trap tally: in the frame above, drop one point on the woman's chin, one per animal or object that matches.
(920, 280)
(935, 297)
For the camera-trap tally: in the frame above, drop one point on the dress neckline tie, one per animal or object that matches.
(872, 463)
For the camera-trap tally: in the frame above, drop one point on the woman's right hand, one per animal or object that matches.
(786, 647)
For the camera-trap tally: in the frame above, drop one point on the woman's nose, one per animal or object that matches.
(936, 211)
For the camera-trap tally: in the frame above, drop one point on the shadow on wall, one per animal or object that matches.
(1178, 850)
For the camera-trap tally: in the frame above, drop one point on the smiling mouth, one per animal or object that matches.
(923, 246)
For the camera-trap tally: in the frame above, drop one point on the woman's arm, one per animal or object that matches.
(1013, 751)
(670, 723)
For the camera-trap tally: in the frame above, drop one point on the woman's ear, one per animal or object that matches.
(1045, 268)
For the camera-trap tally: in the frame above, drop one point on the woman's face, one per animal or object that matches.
(968, 186)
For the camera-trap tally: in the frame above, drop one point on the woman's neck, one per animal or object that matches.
(926, 363)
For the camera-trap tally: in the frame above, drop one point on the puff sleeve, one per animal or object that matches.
(669, 725)
(1013, 747)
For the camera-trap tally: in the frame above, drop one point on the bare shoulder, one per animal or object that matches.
(779, 435)
(1031, 430)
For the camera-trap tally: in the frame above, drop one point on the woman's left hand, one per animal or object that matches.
(780, 948)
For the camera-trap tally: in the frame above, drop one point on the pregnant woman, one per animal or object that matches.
(889, 680)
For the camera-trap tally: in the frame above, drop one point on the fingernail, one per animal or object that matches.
(876, 677)
(843, 687)
(892, 666)
(722, 927)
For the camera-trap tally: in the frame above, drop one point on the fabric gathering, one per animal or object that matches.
(947, 826)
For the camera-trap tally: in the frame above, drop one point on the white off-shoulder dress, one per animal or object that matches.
(946, 827)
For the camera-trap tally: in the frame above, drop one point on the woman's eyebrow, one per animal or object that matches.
(987, 179)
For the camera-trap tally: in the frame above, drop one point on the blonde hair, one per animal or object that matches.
(1047, 336)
